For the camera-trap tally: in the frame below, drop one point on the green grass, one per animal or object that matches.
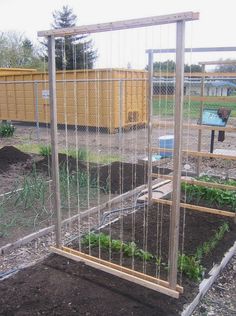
(86, 155)
(191, 110)
(82, 155)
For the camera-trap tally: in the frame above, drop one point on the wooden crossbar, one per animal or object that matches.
(195, 126)
(197, 74)
(120, 271)
(196, 153)
(197, 208)
(198, 99)
(197, 182)
(121, 25)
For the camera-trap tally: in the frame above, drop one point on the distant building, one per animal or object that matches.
(166, 86)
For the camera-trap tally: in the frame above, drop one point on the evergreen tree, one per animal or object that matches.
(72, 52)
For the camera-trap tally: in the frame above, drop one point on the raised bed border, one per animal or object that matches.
(205, 285)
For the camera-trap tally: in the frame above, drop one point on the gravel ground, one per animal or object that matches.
(221, 299)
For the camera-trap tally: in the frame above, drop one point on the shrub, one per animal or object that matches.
(6, 129)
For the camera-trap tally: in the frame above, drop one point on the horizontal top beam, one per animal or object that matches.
(121, 25)
(193, 50)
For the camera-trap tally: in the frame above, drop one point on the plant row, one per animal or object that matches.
(190, 265)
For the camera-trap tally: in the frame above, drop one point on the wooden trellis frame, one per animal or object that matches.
(199, 154)
(170, 288)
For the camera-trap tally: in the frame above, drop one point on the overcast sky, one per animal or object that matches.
(216, 26)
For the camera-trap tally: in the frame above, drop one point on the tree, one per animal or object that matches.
(18, 51)
(169, 66)
(72, 52)
(225, 67)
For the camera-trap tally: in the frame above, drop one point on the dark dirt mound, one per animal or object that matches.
(121, 176)
(10, 155)
(43, 164)
(117, 177)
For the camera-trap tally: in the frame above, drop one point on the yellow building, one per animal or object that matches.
(106, 98)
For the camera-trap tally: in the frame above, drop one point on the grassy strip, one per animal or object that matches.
(191, 109)
(82, 154)
(190, 265)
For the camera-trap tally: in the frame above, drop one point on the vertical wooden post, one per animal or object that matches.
(54, 137)
(177, 163)
(199, 145)
(150, 107)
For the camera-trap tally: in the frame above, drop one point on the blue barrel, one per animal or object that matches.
(166, 141)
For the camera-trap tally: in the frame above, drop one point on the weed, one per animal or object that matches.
(45, 150)
(6, 129)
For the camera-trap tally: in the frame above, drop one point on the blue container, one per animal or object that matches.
(166, 141)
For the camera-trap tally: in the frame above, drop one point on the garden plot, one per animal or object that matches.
(207, 238)
(27, 207)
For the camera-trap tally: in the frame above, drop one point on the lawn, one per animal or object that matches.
(191, 108)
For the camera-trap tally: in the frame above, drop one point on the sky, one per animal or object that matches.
(215, 27)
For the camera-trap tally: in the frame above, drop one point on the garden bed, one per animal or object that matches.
(86, 291)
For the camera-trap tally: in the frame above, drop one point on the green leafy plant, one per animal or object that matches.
(6, 129)
(45, 150)
(212, 196)
(190, 265)
(210, 245)
(129, 249)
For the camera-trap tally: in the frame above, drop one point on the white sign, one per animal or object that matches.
(45, 94)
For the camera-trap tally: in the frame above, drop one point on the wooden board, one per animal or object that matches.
(120, 271)
(162, 190)
(197, 208)
(191, 98)
(193, 181)
(195, 126)
(196, 153)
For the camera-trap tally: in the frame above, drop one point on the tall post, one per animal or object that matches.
(177, 163)
(150, 106)
(54, 137)
(199, 145)
(36, 108)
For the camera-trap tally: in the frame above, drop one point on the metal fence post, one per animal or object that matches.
(120, 111)
(150, 107)
(36, 109)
